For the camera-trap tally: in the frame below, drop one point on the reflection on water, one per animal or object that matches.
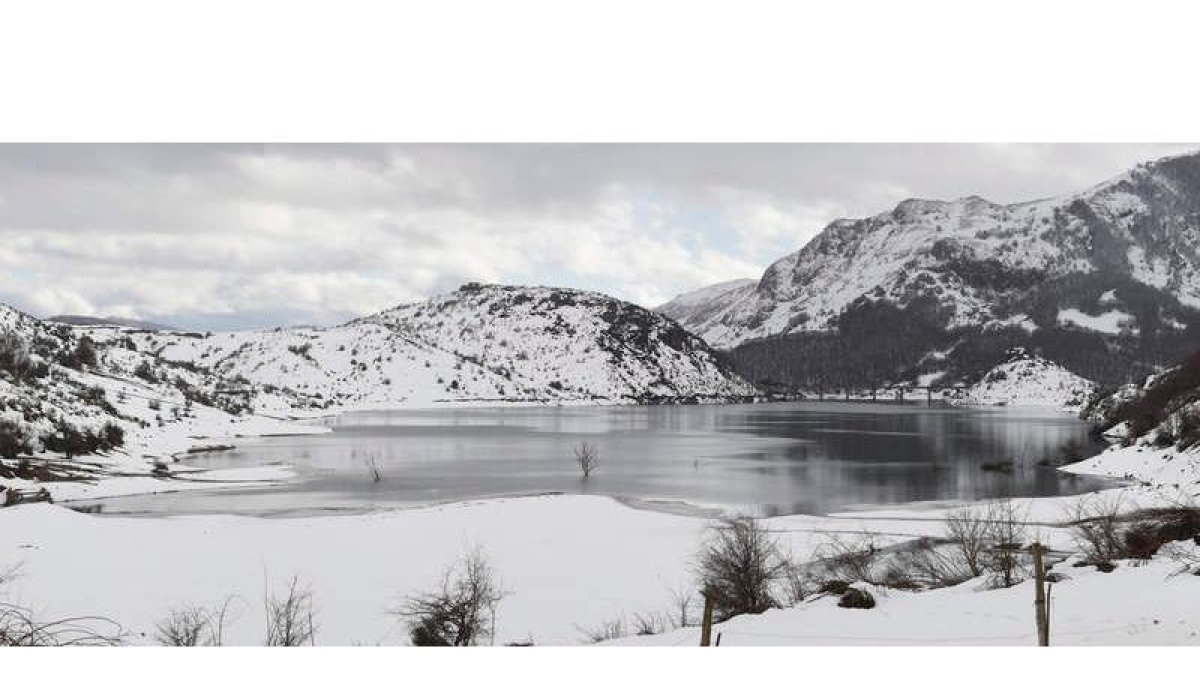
(771, 459)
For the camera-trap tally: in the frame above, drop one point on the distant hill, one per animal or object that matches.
(81, 320)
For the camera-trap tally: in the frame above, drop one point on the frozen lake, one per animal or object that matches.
(769, 459)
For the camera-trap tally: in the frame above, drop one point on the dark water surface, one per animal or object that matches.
(772, 458)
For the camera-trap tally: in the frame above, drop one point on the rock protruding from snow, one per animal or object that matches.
(1026, 380)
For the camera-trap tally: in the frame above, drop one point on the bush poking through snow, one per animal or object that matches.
(1096, 528)
(192, 626)
(183, 627)
(850, 559)
(290, 618)
(739, 564)
(462, 612)
(1103, 534)
(609, 630)
(20, 628)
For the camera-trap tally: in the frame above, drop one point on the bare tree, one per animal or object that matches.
(739, 562)
(462, 612)
(1006, 559)
(970, 533)
(587, 456)
(290, 618)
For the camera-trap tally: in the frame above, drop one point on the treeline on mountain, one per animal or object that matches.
(877, 343)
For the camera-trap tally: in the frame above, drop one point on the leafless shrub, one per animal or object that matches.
(290, 618)
(587, 456)
(682, 601)
(652, 623)
(970, 532)
(20, 628)
(797, 584)
(192, 626)
(183, 627)
(738, 565)
(930, 564)
(611, 629)
(462, 612)
(1096, 527)
(850, 559)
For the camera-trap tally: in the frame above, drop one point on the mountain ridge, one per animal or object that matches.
(950, 268)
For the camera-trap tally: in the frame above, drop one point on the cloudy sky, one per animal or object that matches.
(214, 237)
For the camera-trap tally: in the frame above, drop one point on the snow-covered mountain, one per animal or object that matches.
(697, 306)
(478, 344)
(1116, 267)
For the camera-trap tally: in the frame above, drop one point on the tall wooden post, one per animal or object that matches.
(706, 622)
(1040, 604)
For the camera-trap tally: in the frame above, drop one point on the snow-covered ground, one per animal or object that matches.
(1150, 604)
(1112, 322)
(568, 564)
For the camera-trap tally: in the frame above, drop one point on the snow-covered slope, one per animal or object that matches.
(1105, 283)
(1026, 380)
(696, 306)
(75, 409)
(973, 256)
(1154, 429)
(477, 344)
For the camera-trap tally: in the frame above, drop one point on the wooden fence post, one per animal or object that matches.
(706, 622)
(1040, 602)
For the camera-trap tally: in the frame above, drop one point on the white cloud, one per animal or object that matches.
(243, 235)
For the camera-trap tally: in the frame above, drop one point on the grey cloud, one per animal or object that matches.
(318, 233)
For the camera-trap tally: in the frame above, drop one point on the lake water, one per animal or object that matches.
(768, 459)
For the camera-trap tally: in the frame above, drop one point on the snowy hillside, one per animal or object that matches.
(568, 345)
(1105, 282)
(75, 410)
(972, 255)
(1026, 380)
(1154, 429)
(477, 344)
